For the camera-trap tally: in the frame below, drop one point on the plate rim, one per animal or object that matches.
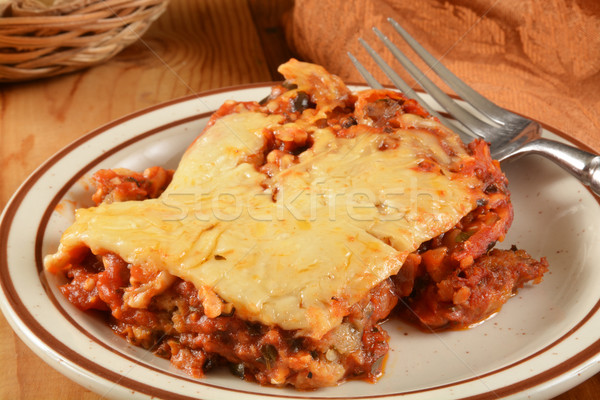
(13, 204)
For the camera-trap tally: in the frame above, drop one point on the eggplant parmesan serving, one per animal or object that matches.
(292, 228)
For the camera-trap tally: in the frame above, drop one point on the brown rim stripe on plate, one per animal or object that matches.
(145, 135)
(143, 388)
(52, 206)
(67, 186)
(53, 345)
(545, 376)
(13, 205)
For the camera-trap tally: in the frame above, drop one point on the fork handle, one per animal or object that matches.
(583, 165)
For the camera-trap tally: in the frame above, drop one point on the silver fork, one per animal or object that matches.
(510, 135)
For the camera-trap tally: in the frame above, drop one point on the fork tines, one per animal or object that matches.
(470, 124)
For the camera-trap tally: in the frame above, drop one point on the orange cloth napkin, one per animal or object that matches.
(537, 58)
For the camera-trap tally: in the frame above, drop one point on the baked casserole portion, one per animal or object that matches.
(289, 232)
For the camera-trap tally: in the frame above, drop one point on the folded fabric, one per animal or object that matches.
(540, 59)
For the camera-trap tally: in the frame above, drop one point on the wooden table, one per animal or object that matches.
(195, 46)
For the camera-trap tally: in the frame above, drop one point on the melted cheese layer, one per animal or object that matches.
(341, 220)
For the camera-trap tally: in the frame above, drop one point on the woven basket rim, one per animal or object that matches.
(52, 20)
(98, 10)
(115, 3)
(38, 46)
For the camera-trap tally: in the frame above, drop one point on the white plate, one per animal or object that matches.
(544, 341)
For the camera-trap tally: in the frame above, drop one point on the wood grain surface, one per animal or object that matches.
(195, 46)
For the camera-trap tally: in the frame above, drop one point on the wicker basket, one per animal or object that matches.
(41, 43)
